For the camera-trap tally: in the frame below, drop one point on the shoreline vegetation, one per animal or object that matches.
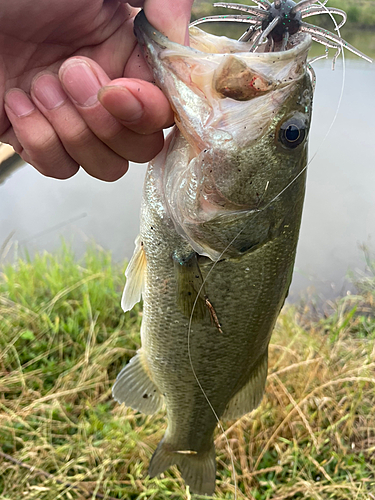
(63, 340)
(361, 13)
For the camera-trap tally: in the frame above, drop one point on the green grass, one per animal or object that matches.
(63, 339)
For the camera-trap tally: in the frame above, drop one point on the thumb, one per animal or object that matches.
(170, 17)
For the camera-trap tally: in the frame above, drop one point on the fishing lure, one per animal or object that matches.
(275, 22)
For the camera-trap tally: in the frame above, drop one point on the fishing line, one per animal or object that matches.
(231, 454)
(53, 228)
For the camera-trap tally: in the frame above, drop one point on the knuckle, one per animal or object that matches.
(151, 147)
(113, 171)
(46, 154)
(61, 174)
(112, 134)
(39, 144)
(79, 137)
(61, 168)
(114, 176)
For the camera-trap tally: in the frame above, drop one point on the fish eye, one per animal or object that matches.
(292, 133)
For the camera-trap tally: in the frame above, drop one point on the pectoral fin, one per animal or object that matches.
(190, 292)
(250, 396)
(135, 275)
(135, 387)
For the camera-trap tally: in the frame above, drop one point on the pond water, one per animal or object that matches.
(339, 213)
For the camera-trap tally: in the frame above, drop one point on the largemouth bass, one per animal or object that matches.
(220, 219)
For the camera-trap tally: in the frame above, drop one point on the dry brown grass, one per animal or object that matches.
(63, 338)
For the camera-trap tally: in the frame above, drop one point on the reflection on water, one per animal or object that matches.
(339, 210)
(339, 213)
(41, 210)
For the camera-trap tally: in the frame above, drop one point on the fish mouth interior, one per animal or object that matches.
(206, 42)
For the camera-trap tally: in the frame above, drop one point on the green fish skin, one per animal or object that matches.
(220, 219)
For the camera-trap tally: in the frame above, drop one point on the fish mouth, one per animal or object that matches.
(216, 83)
(297, 49)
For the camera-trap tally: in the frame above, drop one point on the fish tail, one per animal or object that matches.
(197, 469)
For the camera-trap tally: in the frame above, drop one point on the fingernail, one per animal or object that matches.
(125, 107)
(48, 90)
(19, 103)
(80, 82)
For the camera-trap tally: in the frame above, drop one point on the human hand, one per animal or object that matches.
(74, 87)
